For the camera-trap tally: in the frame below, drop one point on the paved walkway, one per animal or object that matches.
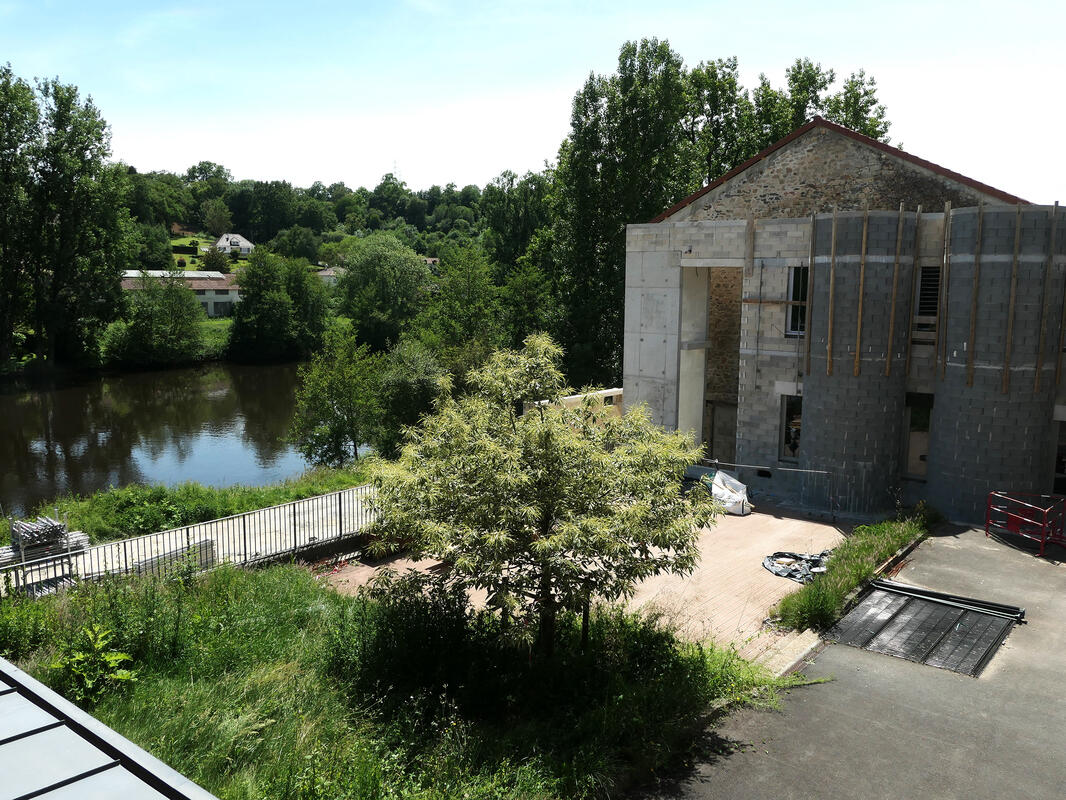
(728, 596)
(241, 539)
(888, 728)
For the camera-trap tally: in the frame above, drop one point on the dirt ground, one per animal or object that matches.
(725, 600)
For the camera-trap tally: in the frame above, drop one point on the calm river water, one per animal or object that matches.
(219, 424)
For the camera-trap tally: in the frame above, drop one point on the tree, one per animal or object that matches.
(19, 118)
(338, 404)
(214, 260)
(163, 326)
(856, 106)
(216, 216)
(640, 140)
(545, 510)
(79, 237)
(282, 312)
(410, 381)
(297, 242)
(155, 251)
(383, 285)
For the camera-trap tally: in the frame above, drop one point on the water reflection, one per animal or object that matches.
(217, 424)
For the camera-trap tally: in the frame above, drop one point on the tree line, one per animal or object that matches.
(540, 252)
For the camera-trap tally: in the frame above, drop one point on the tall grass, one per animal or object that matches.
(268, 684)
(819, 604)
(136, 510)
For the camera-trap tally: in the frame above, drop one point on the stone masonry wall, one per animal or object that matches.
(823, 170)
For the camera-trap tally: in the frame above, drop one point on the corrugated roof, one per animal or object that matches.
(50, 748)
(819, 122)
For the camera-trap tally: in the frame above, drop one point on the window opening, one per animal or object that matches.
(791, 426)
(796, 316)
(919, 411)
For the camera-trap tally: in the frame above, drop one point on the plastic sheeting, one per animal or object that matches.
(723, 487)
(800, 567)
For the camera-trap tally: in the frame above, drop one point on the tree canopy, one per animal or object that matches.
(544, 510)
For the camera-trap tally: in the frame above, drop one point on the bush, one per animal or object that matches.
(819, 604)
(163, 326)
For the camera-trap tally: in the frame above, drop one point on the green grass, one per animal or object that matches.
(268, 684)
(136, 510)
(216, 336)
(819, 604)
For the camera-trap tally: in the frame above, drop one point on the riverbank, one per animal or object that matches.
(137, 509)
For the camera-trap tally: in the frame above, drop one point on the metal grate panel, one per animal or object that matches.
(942, 631)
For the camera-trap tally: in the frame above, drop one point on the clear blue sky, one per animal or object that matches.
(449, 91)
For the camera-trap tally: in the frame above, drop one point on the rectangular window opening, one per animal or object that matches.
(796, 315)
(791, 426)
(919, 410)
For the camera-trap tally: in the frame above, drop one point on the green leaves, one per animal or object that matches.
(544, 509)
(339, 404)
(88, 668)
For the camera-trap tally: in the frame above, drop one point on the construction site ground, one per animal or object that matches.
(725, 600)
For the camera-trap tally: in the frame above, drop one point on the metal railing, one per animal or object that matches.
(1039, 517)
(242, 539)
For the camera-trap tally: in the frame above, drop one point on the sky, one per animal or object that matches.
(444, 92)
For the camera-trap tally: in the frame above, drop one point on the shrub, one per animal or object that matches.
(88, 667)
(819, 604)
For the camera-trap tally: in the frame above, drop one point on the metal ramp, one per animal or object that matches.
(945, 631)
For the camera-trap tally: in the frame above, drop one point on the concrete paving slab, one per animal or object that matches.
(888, 728)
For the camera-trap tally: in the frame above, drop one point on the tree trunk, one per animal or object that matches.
(585, 625)
(546, 634)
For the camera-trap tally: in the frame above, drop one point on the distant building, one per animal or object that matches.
(801, 317)
(232, 243)
(216, 292)
(330, 275)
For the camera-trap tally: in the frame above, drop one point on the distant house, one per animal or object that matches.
(232, 243)
(330, 275)
(216, 292)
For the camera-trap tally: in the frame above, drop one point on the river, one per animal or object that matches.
(218, 424)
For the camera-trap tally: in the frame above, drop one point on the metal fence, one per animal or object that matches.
(248, 538)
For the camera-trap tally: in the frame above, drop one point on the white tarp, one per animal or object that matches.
(725, 488)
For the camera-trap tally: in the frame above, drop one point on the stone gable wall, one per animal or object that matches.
(823, 170)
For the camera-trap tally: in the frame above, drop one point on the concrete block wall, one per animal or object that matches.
(853, 413)
(771, 363)
(988, 434)
(981, 437)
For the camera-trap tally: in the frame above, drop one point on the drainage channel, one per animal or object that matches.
(941, 630)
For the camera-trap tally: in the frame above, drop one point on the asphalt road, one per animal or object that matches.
(888, 728)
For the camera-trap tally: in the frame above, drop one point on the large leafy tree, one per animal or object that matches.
(19, 119)
(640, 140)
(282, 312)
(162, 328)
(339, 403)
(544, 510)
(383, 286)
(79, 236)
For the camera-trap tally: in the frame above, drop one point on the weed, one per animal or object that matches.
(88, 667)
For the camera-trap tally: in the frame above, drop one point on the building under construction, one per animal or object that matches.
(859, 326)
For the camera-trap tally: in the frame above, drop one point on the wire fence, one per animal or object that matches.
(242, 539)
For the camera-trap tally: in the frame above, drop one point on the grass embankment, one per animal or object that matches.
(136, 510)
(216, 336)
(819, 604)
(268, 684)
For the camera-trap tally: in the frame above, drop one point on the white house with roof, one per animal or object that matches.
(216, 292)
(232, 243)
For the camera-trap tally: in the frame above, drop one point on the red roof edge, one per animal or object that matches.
(819, 122)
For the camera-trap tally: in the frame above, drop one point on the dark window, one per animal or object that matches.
(797, 295)
(200, 291)
(919, 414)
(791, 426)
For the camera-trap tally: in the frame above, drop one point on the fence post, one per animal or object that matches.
(340, 514)
(244, 536)
(294, 543)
